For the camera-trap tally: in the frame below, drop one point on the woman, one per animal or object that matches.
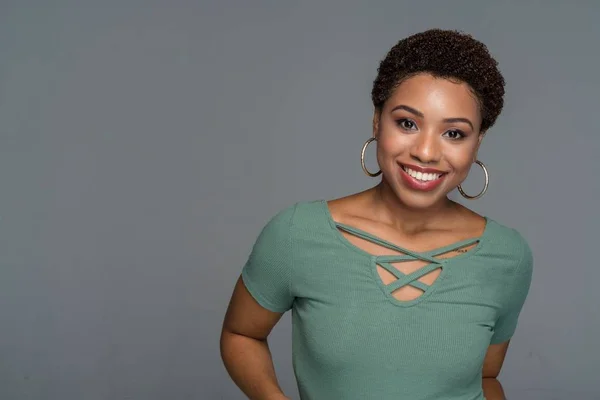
(397, 292)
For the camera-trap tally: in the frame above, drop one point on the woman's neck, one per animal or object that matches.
(390, 210)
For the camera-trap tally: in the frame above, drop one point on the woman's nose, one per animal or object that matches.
(426, 148)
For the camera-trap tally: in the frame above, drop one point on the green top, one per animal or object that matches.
(352, 339)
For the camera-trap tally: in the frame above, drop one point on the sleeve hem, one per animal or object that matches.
(501, 339)
(260, 299)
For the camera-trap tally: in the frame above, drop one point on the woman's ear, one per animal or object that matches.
(376, 120)
(479, 140)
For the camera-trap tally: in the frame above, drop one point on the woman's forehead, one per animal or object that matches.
(433, 95)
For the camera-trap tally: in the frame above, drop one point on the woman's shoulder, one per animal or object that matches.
(508, 243)
(299, 216)
(501, 233)
(499, 241)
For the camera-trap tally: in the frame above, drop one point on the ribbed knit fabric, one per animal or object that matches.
(352, 339)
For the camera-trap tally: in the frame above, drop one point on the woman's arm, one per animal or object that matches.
(244, 348)
(494, 358)
(492, 389)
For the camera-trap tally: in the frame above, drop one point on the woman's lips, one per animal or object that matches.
(428, 180)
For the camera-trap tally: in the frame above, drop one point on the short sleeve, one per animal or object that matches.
(267, 273)
(506, 323)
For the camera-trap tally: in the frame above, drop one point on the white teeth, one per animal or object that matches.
(421, 176)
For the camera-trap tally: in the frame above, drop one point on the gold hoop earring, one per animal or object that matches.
(362, 158)
(485, 188)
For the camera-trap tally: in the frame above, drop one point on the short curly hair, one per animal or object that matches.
(445, 54)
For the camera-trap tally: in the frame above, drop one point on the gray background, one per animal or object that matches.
(144, 144)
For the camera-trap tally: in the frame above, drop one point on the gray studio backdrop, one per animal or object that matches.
(144, 144)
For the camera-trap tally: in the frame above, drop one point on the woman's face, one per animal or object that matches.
(428, 134)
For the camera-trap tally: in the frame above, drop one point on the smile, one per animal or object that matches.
(422, 176)
(424, 179)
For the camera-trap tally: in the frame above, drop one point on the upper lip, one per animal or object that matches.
(423, 169)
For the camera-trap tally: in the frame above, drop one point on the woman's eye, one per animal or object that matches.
(454, 134)
(406, 124)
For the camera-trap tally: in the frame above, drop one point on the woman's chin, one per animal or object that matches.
(420, 199)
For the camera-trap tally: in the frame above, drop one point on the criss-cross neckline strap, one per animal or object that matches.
(371, 238)
(407, 254)
(401, 275)
(409, 279)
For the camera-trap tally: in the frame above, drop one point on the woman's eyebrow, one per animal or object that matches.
(454, 120)
(409, 109)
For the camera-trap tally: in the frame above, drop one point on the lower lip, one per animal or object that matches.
(420, 185)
